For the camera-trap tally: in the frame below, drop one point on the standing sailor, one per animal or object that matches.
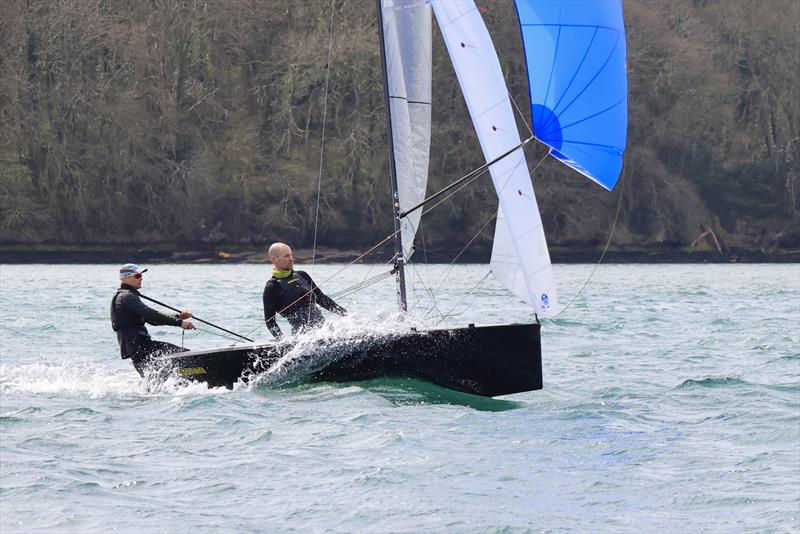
(293, 294)
(129, 314)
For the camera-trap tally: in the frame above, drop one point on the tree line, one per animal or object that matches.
(201, 121)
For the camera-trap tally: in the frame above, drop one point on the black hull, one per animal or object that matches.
(487, 360)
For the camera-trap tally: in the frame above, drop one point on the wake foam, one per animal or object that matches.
(86, 380)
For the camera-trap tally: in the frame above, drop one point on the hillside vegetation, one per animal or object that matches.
(201, 121)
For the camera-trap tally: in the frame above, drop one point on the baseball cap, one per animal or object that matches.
(129, 269)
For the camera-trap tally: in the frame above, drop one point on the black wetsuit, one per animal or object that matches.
(296, 298)
(128, 316)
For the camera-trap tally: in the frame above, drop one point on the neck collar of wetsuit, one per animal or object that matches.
(281, 274)
(126, 286)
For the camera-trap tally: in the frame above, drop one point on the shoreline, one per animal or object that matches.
(26, 254)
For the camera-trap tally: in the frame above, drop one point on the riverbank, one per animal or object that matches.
(171, 253)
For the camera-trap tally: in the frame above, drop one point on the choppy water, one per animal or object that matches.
(671, 403)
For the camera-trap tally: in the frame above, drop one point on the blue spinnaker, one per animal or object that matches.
(575, 54)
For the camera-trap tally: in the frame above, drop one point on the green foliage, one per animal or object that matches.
(202, 121)
(747, 190)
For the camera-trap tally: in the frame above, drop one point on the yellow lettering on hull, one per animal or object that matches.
(190, 371)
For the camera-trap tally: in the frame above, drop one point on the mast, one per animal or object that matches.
(399, 270)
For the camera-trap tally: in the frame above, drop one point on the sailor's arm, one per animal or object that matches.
(329, 304)
(270, 299)
(133, 303)
(324, 300)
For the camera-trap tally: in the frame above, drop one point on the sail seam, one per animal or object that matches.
(589, 117)
(508, 174)
(460, 15)
(493, 106)
(574, 75)
(533, 229)
(573, 142)
(588, 84)
(550, 80)
(569, 26)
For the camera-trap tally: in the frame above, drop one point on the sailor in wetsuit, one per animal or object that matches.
(293, 294)
(128, 315)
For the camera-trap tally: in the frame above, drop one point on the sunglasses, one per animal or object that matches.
(137, 275)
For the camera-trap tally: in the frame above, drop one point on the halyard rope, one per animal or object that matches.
(322, 141)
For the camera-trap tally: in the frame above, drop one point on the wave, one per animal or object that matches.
(787, 358)
(711, 382)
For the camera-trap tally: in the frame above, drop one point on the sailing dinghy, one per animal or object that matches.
(575, 56)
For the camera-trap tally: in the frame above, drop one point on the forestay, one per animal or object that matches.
(407, 37)
(520, 260)
(575, 53)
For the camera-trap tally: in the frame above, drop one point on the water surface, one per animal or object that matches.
(671, 403)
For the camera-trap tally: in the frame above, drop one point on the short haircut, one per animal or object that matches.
(275, 249)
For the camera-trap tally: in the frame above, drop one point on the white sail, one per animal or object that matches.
(407, 37)
(520, 260)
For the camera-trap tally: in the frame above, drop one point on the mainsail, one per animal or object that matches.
(520, 260)
(575, 53)
(407, 38)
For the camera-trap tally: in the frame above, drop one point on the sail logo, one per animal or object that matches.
(545, 300)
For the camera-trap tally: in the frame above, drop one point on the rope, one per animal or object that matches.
(213, 333)
(364, 283)
(322, 142)
(456, 190)
(444, 275)
(424, 260)
(521, 116)
(428, 290)
(475, 288)
(235, 340)
(605, 249)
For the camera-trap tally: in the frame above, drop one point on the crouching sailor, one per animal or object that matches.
(293, 294)
(129, 314)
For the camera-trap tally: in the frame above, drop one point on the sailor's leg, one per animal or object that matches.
(143, 361)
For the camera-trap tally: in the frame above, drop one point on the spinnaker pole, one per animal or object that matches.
(399, 270)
